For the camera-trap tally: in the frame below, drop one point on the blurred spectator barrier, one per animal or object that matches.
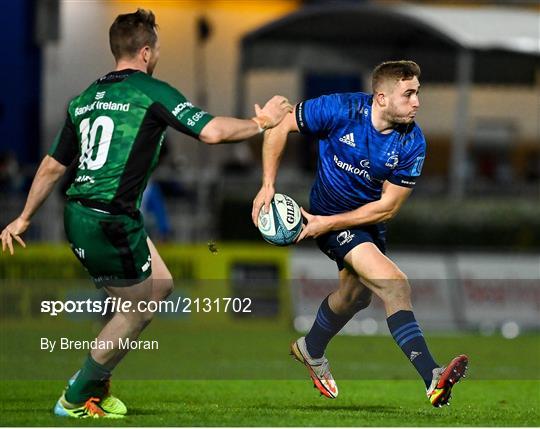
(450, 291)
(214, 271)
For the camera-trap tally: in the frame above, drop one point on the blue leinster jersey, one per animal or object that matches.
(354, 158)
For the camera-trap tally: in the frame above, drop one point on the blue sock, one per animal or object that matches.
(408, 335)
(327, 324)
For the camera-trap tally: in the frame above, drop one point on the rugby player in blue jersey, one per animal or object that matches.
(370, 155)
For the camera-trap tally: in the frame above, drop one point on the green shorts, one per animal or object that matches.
(112, 248)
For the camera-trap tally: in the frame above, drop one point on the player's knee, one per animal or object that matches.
(162, 286)
(394, 287)
(395, 280)
(166, 287)
(403, 290)
(398, 276)
(400, 289)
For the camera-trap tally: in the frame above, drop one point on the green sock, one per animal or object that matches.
(90, 382)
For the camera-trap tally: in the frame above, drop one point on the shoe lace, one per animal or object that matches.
(91, 405)
(323, 370)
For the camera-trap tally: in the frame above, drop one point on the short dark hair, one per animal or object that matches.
(131, 32)
(394, 70)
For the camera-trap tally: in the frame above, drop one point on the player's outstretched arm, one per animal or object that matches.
(272, 151)
(49, 171)
(392, 199)
(225, 129)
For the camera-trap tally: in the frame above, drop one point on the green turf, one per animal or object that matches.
(240, 375)
(285, 403)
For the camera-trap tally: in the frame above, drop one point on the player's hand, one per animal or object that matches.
(13, 231)
(262, 202)
(273, 112)
(315, 226)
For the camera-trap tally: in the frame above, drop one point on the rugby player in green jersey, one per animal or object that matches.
(114, 130)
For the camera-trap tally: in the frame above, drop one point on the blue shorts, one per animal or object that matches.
(337, 244)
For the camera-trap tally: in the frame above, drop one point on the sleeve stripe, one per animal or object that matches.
(300, 118)
(405, 181)
(159, 110)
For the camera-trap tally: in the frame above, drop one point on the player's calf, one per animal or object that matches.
(410, 339)
(351, 296)
(348, 303)
(362, 301)
(140, 320)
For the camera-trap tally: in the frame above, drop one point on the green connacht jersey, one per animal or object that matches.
(115, 129)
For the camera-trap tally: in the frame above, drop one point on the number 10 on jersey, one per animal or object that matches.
(93, 156)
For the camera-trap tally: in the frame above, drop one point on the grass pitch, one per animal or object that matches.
(241, 376)
(285, 403)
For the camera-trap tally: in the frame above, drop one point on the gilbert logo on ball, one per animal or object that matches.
(283, 222)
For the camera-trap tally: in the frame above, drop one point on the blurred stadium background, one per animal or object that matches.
(470, 235)
(469, 238)
(480, 190)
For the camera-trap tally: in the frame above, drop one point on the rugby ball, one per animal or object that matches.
(282, 224)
